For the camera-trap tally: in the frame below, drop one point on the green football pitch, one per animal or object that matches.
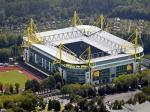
(12, 77)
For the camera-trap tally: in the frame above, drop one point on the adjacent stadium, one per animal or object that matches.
(81, 53)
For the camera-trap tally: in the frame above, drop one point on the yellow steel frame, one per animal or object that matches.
(76, 20)
(102, 22)
(31, 34)
(88, 65)
(63, 47)
(60, 53)
(135, 41)
(99, 22)
(136, 45)
(89, 56)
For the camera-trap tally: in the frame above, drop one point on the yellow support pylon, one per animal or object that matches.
(88, 50)
(102, 22)
(89, 56)
(31, 35)
(136, 44)
(76, 20)
(60, 53)
(99, 23)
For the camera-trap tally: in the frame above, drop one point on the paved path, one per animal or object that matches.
(122, 96)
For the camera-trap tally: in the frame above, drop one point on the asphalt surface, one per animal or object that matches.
(120, 96)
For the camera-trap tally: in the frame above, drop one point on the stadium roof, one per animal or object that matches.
(91, 35)
(89, 32)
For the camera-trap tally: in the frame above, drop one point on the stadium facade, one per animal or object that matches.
(83, 54)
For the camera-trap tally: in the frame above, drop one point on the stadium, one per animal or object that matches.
(81, 53)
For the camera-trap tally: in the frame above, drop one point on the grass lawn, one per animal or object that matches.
(12, 77)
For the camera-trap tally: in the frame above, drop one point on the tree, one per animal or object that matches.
(83, 93)
(140, 97)
(28, 85)
(1, 87)
(1, 105)
(56, 105)
(42, 104)
(19, 40)
(146, 90)
(117, 105)
(91, 92)
(58, 85)
(5, 53)
(29, 101)
(3, 41)
(50, 105)
(68, 106)
(45, 84)
(76, 109)
(11, 89)
(51, 82)
(83, 104)
(102, 90)
(66, 90)
(17, 85)
(57, 77)
(35, 85)
(25, 102)
(15, 50)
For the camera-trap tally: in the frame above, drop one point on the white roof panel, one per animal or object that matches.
(88, 30)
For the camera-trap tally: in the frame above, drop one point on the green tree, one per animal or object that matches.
(1, 87)
(57, 106)
(141, 97)
(35, 85)
(28, 85)
(1, 104)
(51, 82)
(29, 101)
(11, 89)
(17, 85)
(41, 104)
(4, 54)
(50, 105)
(68, 106)
(57, 77)
(146, 90)
(117, 105)
(19, 40)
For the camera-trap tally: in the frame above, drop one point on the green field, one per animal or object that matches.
(12, 77)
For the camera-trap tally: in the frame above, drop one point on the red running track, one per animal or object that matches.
(27, 73)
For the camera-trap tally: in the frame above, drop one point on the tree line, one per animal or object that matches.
(23, 102)
(122, 83)
(18, 11)
(9, 88)
(10, 46)
(52, 82)
(80, 93)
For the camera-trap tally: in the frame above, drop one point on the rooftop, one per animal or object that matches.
(91, 35)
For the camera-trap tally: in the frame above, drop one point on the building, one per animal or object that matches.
(82, 53)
